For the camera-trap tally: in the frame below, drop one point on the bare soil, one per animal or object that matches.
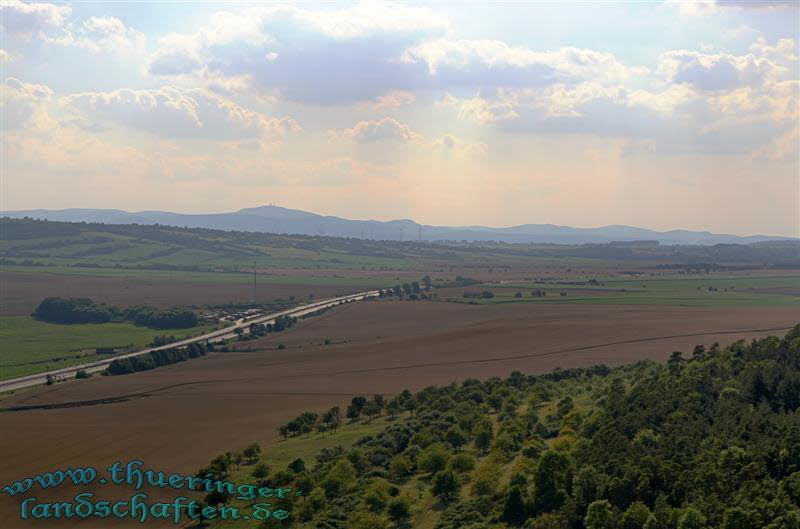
(177, 418)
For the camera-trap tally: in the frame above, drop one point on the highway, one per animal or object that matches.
(215, 336)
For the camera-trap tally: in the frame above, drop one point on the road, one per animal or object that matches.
(215, 336)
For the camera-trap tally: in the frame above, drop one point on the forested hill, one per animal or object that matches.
(708, 440)
(274, 219)
(34, 242)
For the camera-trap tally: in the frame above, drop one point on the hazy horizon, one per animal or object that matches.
(416, 220)
(660, 115)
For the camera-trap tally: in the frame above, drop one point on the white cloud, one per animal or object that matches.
(32, 19)
(177, 112)
(504, 64)
(481, 110)
(365, 53)
(783, 50)
(23, 104)
(710, 7)
(6, 56)
(677, 119)
(383, 129)
(391, 129)
(98, 34)
(392, 100)
(704, 103)
(325, 57)
(693, 7)
(51, 24)
(719, 71)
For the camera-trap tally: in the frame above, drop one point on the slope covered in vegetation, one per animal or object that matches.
(711, 440)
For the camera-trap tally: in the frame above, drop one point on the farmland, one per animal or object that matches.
(715, 289)
(621, 305)
(31, 346)
(363, 348)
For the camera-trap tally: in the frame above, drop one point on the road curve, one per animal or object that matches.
(215, 336)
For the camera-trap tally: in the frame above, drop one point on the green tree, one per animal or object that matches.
(399, 466)
(339, 479)
(297, 466)
(462, 463)
(552, 480)
(445, 485)
(599, 515)
(691, 519)
(485, 479)
(514, 511)
(376, 496)
(371, 409)
(251, 452)
(393, 407)
(455, 436)
(483, 439)
(736, 518)
(261, 471)
(433, 459)
(399, 510)
(635, 516)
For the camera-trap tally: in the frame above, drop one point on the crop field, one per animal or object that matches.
(178, 417)
(25, 287)
(31, 346)
(710, 290)
(619, 307)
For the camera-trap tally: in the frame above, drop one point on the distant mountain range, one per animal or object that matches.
(274, 219)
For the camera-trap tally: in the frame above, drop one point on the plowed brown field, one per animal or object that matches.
(178, 417)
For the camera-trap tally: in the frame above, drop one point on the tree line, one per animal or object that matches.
(84, 310)
(154, 359)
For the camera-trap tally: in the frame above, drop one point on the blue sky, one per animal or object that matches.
(656, 114)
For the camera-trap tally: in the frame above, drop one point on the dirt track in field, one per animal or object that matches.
(178, 417)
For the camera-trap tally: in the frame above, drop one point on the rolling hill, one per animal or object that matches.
(274, 219)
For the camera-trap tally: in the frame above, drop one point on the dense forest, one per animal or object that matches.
(707, 440)
(84, 310)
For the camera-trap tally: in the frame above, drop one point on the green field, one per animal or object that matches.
(32, 346)
(731, 290)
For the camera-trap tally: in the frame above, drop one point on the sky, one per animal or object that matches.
(661, 114)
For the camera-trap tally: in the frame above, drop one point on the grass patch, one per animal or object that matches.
(31, 346)
(278, 454)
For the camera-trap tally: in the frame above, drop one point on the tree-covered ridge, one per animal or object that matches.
(711, 440)
(84, 310)
(30, 242)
